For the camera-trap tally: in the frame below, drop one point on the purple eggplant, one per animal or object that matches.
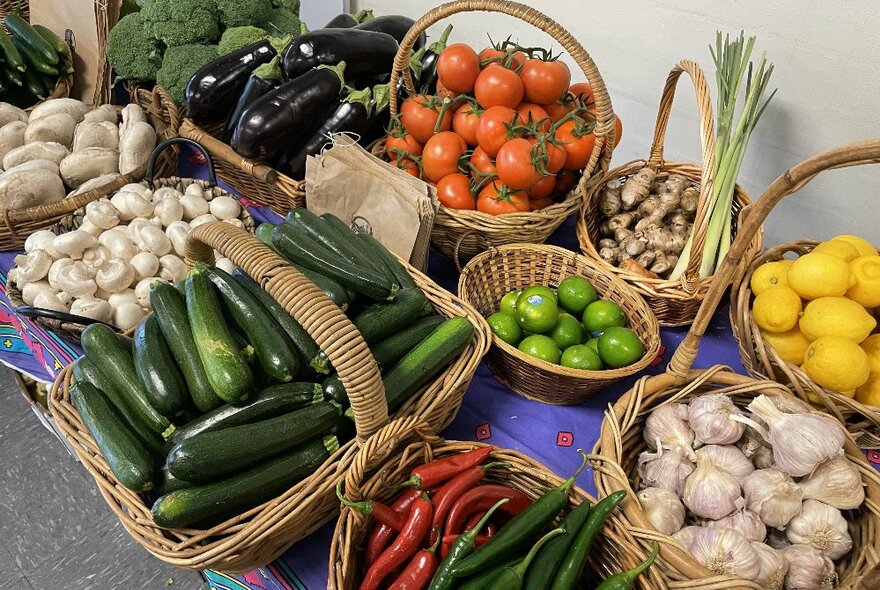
(366, 53)
(253, 89)
(346, 21)
(395, 25)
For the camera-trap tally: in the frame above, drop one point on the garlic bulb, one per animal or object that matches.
(753, 446)
(725, 551)
(665, 469)
(808, 569)
(773, 564)
(685, 536)
(710, 418)
(710, 492)
(664, 510)
(822, 527)
(836, 482)
(668, 427)
(745, 521)
(799, 441)
(773, 495)
(728, 458)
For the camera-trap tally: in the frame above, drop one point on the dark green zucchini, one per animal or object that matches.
(155, 366)
(397, 270)
(36, 45)
(383, 319)
(166, 482)
(264, 233)
(343, 429)
(390, 350)
(11, 54)
(331, 238)
(334, 390)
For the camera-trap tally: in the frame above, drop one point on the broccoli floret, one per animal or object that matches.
(283, 22)
(182, 22)
(238, 13)
(180, 64)
(291, 5)
(238, 37)
(131, 51)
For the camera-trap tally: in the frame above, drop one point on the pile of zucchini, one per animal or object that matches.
(222, 400)
(34, 58)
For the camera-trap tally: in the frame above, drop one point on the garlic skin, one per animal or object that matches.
(754, 447)
(668, 425)
(773, 566)
(685, 536)
(725, 551)
(663, 509)
(821, 527)
(836, 482)
(773, 496)
(710, 492)
(710, 418)
(746, 522)
(728, 458)
(808, 569)
(665, 469)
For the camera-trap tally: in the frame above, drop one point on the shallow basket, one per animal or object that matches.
(674, 301)
(493, 274)
(261, 534)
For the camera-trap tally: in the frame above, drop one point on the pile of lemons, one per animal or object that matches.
(818, 312)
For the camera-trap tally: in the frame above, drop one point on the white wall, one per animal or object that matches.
(826, 56)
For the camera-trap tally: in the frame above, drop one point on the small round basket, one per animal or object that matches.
(493, 274)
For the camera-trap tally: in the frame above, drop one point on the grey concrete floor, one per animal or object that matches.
(55, 529)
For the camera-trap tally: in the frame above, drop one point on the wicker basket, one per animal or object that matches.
(467, 233)
(621, 440)
(161, 110)
(260, 535)
(493, 274)
(674, 301)
(387, 459)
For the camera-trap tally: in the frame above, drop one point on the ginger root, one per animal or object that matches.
(690, 198)
(676, 184)
(637, 187)
(610, 202)
(621, 220)
(661, 264)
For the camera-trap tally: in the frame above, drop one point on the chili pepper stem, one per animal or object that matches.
(479, 526)
(568, 483)
(624, 580)
(365, 507)
(522, 566)
(632, 574)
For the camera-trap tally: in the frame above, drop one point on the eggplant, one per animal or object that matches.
(365, 53)
(395, 25)
(213, 90)
(277, 116)
(380, 119)
(427, 81)
(346, 20)
(253, 89)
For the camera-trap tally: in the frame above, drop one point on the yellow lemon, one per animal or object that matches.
(836, 363)
(836, 316)
(817, 275)
(769, 274)
(790, 345)
(839, 248)
(777, 309)
(871, 345)
(869, 393)
(864, 247)
(814, 396)
(866, 271)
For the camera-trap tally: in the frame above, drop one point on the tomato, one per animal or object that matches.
(560, 108)
(404, 142)
(482, 163)
(552, 154)
(441, 155)
(492, 55)
(543, 188)
(516, 162)
(492, 130)
(578, 144)
(408, 166)
(498, 86)
(419, 115)
(531, 111)
(458, 67)
(544, 81)
(537, 204)
(582, 92)
(443, 92)
(565, 181)
(454, 191)
(465, 123)
(618, 130)
(497, 199)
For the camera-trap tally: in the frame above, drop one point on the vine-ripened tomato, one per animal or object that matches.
(443, 92)
(441, 155)
(578, 144)
(544, 81)
(419, 115)
(538, 204)
(454, 191)
(536, 113)
(498, 86)
(517, 162)
(552, 154)
(408, 166)
(543, 188)
(565, 181)
(404, 142)
(492, 131)
(482, 163)
(465, 123)
(497, 199)
(557, 110)
(492, 55)
(618, 130)
(458, 67)
(582, 92)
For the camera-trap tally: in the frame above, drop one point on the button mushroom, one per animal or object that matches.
(102, 214)
(94, 308)
(224, 263)
(73, 244)
(33, 266)
(234, 222)
(152, 239)
(131, 205)
(194, 206)
(195, 190)
(172, 268)
(166, 192)
(202, 219)
(177, 233)
(42, 240)
(30, 291)
(77, 280)
(124, 296)
(95, 256)
(167, 211)
(115, 275)
(136, 188)
(121, 247)
(225, 208)
(49, 300)
(127, 315)
(142, 291)
(56, 268)
(146, 265)
(90, 228)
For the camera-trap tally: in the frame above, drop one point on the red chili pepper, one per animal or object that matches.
(482, 498)
(404, 546)
(429, 474)
(419, 571)
(380, 512)
(448, 540)
(477, 517)
(382, 534)
(453, 489)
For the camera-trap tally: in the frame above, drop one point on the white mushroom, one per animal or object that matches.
(90, 228)
(202, 219)
(142, 291)
(112, 234)
(56, 268)
(30, 291)
(172, 268)
(49, 300)
(126, 315)
(193, 205)
(177, 233)
(124, 296)
(115, 275)
(235, 221)
(167, 211)
(77, 280)
(136, 187)
(42, 240)
(94, 308)
(146, 265)
(95, 256)
(34, 266)
(131, 205)
(122, 247)
(224, 263)
(73, 244)
(102, 214)
(195, 190)
(65, 298)
(134, 227)
(152, 239)
(225, 208)
(166, 192)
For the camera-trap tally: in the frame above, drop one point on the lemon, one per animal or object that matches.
(777, 309)
(790, 345)
(836, 363)
(839, 248)
(836, 316)
(769, 274)
(866, 271)
(817, 275)
(869, 393)
(814, 396)
(871, 345)
(864, 247)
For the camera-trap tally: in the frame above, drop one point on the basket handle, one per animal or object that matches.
(40, 312)
(321, 318)
(224, 153)
(789, 182)
(605, 128)
(151, 163)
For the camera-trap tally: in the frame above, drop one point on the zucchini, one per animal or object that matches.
(330, 237)
(169, 306)
(397, 270)
(60, 47)
(13, 78)
(210, 456)
(157, 370)
(126, 456)
(389, 351)
(264, 233)
(244, 491)
(334, 390)
(343, 429)
(11, 54)
(31, 39)
(33, 82)
(268, 403)
(347, 235)
(104, 349)
(166, 482)
(228, 371)
(383, 319)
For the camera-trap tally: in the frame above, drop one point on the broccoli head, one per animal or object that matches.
(238, 37)
(291, 5)
(238, 13)
(179, 65)
(182, 22)
(132, 52)
(283, 22)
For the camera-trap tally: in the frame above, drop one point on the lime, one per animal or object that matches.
(504, 326)
(541, 347)
(581, 356)
(567, 332)
(508, 303)
(538, 290)
(575, 294)
(620, 347)
(536, 312)
(601, 315)
(594, 344)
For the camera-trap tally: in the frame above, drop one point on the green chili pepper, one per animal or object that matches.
(571, 567)
(517, 534)
(511, 577)
(480, 581)
(624, 580)
(540, 575)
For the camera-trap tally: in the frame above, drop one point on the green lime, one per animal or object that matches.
(538, 290)
(620, 347)
(508, 303)
(581, 356)
(594, 344)
(504, 326)
(601, 315)
(575, 294)
(568, 331)
(541, 347)
(536, 313)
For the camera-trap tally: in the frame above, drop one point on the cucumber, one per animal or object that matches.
(11, 54)
(244, 491)
(126, 456)
(264, 233)
(31, 39)
(104, 349)
(268, 403)
(33, 63)
(155, 366)
(389, 351)
(334, 390)
(330, 237)
(228, 371)
(13, 78)
(383, 319)
(33, 82)
(397, 270)
(166, 482)
(60, 47)
(210, 456)
(169, 306)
